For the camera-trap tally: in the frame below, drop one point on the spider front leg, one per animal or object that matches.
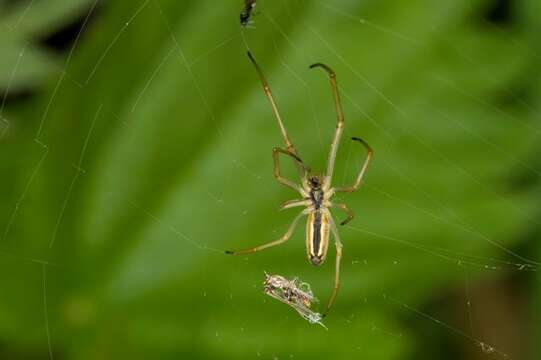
(277, 173)
(340, 116)
(350, 214)
(281, 240)
(338, 260)
(360, 176)
(268, 94)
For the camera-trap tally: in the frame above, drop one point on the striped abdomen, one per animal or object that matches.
(317, 236)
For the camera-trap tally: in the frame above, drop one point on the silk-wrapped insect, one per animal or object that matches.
(296, 294)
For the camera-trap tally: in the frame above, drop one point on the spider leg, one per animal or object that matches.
(350, 214)
(360, 176)
(294, 203)
(281, 240)
(268, 94)
(336, 286)
(339, 115)
(276, 156)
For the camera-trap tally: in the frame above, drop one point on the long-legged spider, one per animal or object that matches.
(316, 190)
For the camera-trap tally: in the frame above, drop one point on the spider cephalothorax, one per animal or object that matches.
(315, 182)
(315, 190)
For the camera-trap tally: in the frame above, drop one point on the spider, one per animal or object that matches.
(315, 189)
(246, 13)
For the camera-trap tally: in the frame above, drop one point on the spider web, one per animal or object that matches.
(186, 227)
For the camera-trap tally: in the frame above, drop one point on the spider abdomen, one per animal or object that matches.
(317, 236)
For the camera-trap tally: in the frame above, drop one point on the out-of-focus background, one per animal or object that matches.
(135, 146)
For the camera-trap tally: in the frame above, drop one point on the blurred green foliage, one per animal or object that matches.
(156, 156)
(22, 25)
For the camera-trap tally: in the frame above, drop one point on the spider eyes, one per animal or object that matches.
(314, 182)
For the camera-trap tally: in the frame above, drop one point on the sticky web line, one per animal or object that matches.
(485, 347)
(152, 77)
(213, 49)
(484, 103)
(78, 171)
(64, 70)
(456, 225)
(4, 123)
(392, 139)
(11, 78)
(114, 41)
(377, 27)
(174, 230)
(187, 65)
(302, 82)
(22, 16)
(457, 258)
(491, 144)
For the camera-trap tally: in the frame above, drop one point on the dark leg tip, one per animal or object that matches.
(324, 67)
(323, 316)
(229, 252)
